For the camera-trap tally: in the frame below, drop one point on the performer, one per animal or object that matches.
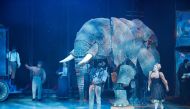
(184, 79)
(39, 77)
(158, 93)
(63, 81)
(13, 63)
(98, 76)
(63, 71)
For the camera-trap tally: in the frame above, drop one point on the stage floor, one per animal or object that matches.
(49, 103)
(52, 103)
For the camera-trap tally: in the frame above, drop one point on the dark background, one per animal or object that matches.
(45, 29)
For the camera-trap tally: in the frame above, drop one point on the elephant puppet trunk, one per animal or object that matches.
(67, 59)
(85, 59)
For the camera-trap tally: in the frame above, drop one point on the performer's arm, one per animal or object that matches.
(104, 76)
(164, 81)
(30, 67)
(8, 55)
(44, 76)
(18, 60)
(149, 80)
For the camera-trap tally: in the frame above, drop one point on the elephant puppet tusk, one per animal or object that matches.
(85, 59)
(68, 58)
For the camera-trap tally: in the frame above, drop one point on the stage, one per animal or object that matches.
(53, 103)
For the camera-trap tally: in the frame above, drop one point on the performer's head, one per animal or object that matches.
(157, 67)
(102, 64)
(13, 49)
(39, 64)
(185, 61)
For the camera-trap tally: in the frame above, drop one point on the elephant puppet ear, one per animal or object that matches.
(121, 36)
(147, 59)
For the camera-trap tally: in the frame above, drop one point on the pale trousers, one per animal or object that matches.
(36, 86)
(94, 90)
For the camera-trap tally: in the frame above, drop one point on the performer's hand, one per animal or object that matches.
(26, 65)
(19, 65)
(148, 88)
(167, 89)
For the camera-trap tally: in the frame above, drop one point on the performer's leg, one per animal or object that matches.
(13, 75)
(98, 96)
(9, 68)
(34, 87)
(13, 72)
(39, 88)
(91, 96)
(161, 105)
(156, 105)
(13, 78)
(10, 71)
(10, 76)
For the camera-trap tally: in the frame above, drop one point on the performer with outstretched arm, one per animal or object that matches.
(38, 78)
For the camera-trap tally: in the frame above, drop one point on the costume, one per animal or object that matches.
(98, 76)
(38, 78)
(184, 80)
(158, 92)
(37, 81)
(13, 63)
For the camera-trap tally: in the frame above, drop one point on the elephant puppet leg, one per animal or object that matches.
(125, 75)
(80, 72)
(120, 98)
(80, 83)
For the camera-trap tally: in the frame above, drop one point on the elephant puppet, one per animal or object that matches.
(120, 40)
